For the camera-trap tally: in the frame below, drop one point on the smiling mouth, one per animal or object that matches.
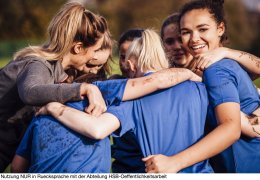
(197, 47)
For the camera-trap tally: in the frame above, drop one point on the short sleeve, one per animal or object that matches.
(221, 85)
(112, 90)
(124, 113)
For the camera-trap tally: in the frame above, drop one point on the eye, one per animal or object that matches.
(169, 41)
(203, 29)
(185, 33)
(98, 49)
(93, 65)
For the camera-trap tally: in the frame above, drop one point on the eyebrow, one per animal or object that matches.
(199, 26)
(202, 25)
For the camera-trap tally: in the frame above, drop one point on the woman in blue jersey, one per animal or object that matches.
(49, 146)
(179, 57)
(230, 89)
(157, 120)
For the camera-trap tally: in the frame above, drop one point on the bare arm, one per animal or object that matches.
(81, 122)
(250, 62)
(227, 132)
(166, 78)
(19, 164)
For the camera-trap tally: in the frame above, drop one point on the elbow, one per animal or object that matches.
(236, 136)
(96, 133)
(98, 136)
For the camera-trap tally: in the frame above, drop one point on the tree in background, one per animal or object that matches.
(23, 19)
(28, 19)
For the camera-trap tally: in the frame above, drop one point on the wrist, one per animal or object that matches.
(177, 163)
(55, 109)
(84, 89)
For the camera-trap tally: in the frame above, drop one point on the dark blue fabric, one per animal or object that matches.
(53, 148)
(127, 153)
(167, 121)
(226, 81)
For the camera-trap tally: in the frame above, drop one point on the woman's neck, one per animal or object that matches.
(65, 62)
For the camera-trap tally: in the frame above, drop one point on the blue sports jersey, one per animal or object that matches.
(167, 121)
(53, 148)
(226, 81)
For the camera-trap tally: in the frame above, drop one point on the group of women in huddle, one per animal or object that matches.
(163, 117)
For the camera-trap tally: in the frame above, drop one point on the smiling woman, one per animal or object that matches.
(201, 34)
(230, 89)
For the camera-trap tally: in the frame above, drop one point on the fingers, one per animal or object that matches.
(39, 111)
(90, 108)
(147, 158)
(95, 109)
(150, 169)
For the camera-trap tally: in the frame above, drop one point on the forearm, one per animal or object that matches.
(83, 123)
(224, 135)
(214, 143)
(166, 78)
(36, 86)
(39, 95)
(249, 61)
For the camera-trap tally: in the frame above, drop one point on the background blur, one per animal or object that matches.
(24, 22)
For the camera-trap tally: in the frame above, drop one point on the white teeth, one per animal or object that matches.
(198, 47)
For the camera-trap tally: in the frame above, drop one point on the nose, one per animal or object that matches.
(194, 37)
(177, 45)
(94, 70)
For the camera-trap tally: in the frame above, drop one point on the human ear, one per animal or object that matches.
(131, 65)
(77, 48)
(221, 29)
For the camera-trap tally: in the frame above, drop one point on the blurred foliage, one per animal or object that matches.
(23, 19)
(25, 22)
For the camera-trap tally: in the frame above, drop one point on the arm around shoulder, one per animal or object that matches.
(93, 127)
(162, 79)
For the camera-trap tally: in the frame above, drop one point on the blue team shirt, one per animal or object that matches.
(53, 148)
(226, 81)
(167, 121)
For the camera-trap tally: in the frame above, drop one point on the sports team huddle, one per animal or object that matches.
(184, 102)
